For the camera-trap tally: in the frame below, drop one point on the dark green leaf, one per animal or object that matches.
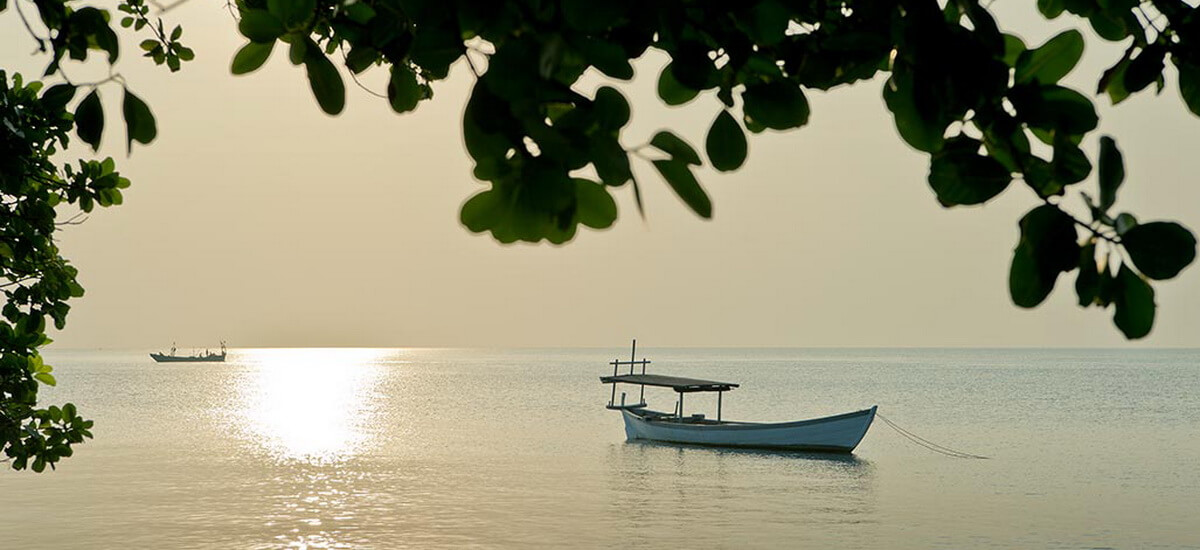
(610, 159)
(1124, 222)
(609, 58)
(251, 56)
(590, 16)
(1144, 69)
(671, 91)
(260, 26)
(1051, 61)
(325, 82)
(766, 22)
(1112, 172)
(1189, 85)
(923, 131)
(361, 57)
(680, 178)
(692, 67)
(139, 121)
(481, 212)
(58, 96)
(1070, 165)
(726, 143)
(678, 149)
(1160, 250)
(298, 51)
(1056, 108)
(594, 207)
(292, 12)
(89, 119)
(1050, 8)
(1112, 82)
(1013, 47)
(959, 175)
(776, 105)
(1135, 304)
(1112, 26)
(1047, 247)
(1087, 283)
(404, 93)
(612, 110)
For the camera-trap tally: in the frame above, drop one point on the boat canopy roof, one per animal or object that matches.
(677, 383)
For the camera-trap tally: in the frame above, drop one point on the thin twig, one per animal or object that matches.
(354, 77)
(40, 41)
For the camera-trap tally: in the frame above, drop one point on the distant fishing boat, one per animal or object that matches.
(206, 357)
(839, 433)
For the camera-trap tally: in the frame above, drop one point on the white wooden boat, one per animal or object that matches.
(839, 433)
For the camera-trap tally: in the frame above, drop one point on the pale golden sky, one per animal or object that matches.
(256, 219)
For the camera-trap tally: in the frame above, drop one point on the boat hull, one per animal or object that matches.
(161, 358)
(837, 434)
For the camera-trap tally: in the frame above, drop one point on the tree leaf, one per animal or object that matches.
(612, 110)
(46, 378)
(1144, 69)
(671, 91)
(924, 132)
(1050, 61)
(590, 16)
(1189, 85)
(1051, 8)
(1087, 282)
(776, 105)
(610, 160)
(1047, 247)
(1069, 165)
(260, 26)
(292, 12)
(680, 178)
(608, 57)
(298, 50)
(1013, 47)
(691, 65)
(1055, 108)
(1112, 172)
(1112, 82)
(1160, 250)
(404, 93)
(89, 119)
(481, 212)
(1134, 299)
(362, 56)
(726, 143)
(325, 82)
(678, 149)
(959, 175)
(594, 207)
(58, 96)
(139, 121)
(251, 56)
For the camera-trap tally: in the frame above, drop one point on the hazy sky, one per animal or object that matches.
(256, 219)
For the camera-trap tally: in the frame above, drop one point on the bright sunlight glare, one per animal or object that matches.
(310, 405)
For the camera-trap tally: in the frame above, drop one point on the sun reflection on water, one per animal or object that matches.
(310, 405)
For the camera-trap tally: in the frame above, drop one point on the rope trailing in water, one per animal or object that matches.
(927, 443)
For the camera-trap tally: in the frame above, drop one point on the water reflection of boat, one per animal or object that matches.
(205, 357)
(839, 433)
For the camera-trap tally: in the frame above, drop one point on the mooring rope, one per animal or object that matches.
(927, 443)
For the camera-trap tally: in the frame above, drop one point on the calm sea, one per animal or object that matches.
(424, 448)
